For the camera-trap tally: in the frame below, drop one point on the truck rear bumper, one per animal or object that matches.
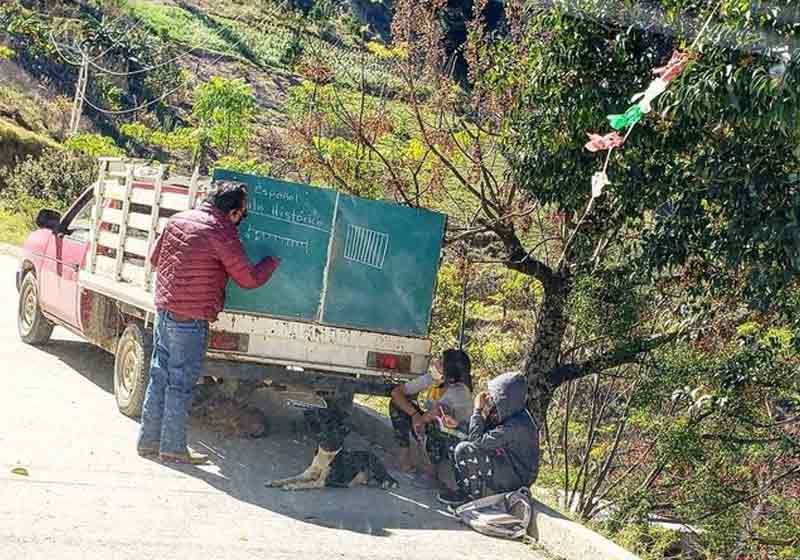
(302, 378)
(321, 347)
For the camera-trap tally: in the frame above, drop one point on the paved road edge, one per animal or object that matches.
(559, 535)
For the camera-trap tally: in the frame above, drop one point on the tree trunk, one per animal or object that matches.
(545, 351)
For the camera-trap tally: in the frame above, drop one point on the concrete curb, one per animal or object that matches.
(559, 535)
(570, 540)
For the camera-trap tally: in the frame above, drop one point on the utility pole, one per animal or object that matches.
(80, 94)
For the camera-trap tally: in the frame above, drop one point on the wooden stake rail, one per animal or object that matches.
(132, 202)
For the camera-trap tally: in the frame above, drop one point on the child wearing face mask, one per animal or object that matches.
(449, 405)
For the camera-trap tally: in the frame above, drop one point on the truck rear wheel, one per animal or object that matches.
(132, 369)
(33, 326)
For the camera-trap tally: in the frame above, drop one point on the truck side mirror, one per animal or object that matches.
(49, 219)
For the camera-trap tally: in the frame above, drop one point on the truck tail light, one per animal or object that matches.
(400, 363)
(228, 342)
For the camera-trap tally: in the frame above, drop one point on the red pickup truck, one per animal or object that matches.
(51, 294)
(88, 271)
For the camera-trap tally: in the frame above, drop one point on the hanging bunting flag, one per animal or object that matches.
(674, 67)
(599, 143)
(599, 182)
(627, 119)
(644, 100)
(646, 97)
(643, 105)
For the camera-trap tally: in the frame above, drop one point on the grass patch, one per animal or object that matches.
(378, 404)
(266, 41)
(16, 143)
(178, 25)
(263, 41)
(14, 227)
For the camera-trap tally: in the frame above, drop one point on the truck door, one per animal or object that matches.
(66, 252)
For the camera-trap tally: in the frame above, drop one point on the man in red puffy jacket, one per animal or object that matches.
(194, 257)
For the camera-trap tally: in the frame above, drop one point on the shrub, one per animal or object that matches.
(251, 166)
(58, 176)
(94, 145)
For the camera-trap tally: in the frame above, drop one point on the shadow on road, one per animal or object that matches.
(242, 466)
(91, 362)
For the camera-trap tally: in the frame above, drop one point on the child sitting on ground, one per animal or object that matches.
(449, 406)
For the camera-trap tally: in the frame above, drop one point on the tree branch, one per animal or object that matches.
(340, 109)
(769, 484)
(521, 260)
(621, 355)
(487, 204)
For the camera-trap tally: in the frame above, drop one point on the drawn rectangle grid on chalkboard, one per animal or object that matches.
(366, 246)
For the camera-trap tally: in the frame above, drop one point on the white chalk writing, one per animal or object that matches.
(255, 234)
(267, 193)
(366, 246)
(276, 211)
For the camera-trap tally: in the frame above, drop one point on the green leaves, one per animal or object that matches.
(224, 109)
(709, 181)
(94, 145)
(56, 175)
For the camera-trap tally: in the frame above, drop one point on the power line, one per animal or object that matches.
(155, 66)
(134, 109)
(115, 73)
(176, 58)
(103, 70)
(105, 52)
(80, 94)
(163, 96)
(60, 53)
(116, 43)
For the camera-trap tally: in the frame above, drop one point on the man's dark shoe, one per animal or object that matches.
(147, 451)
(452, 498)
(188, 457)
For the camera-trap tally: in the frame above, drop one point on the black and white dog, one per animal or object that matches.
(333, 466)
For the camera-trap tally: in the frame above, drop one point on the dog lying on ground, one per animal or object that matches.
(333, 466)
(339, 469)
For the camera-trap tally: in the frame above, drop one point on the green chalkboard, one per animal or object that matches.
(293, 222)
(345, 261)
(382, 274)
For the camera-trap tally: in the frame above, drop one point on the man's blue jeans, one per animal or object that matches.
(179, 351)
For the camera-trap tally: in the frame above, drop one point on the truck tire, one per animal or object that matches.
(33, 326)
(132, 369)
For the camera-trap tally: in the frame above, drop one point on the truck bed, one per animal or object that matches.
(283, 342)
(132, 206)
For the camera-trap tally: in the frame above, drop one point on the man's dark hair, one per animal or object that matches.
(227, 196)
(457, 367)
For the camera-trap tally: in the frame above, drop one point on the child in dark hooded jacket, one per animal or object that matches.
(502, 452)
